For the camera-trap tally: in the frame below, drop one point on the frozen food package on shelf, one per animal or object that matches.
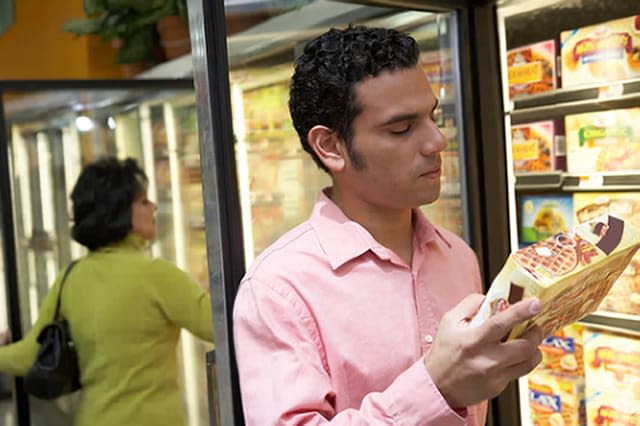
(603, 141)
(544, 215)
(604, 409)
(563, 352)
(604, 52)
(438, 67)
(532, 68)
(570, 273)
(624, 296)
(556, 400)
(532, 147)
(612, 374)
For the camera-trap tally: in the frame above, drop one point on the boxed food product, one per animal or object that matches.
(562, 352)
(603, 141)
(612, 364)
(532, 146)
(603, 52)
(609, 409)
(556, 400)
(569, 272)
(624, 296)
(438, 67)
(532, 68)
(542, 216)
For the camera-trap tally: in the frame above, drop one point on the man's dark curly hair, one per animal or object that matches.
(322, 86)
(102, 199)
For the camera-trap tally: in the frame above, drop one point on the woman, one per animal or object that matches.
(124, 309)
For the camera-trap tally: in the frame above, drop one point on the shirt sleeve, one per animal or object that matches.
(18, 357)
(285, 379)
(182, 299)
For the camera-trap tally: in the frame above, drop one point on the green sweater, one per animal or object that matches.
(125, 311)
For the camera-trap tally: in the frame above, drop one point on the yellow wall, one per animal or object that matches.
(35, 47)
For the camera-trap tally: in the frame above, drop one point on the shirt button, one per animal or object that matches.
(428, 338)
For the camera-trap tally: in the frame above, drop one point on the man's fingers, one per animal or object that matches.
(499, 325)
(520, 369)
(468, 307)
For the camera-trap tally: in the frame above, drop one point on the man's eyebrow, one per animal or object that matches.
(400, 117)
(407, 117)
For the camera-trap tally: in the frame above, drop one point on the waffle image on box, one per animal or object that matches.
(570, 272)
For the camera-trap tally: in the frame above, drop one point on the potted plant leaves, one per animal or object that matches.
(129, 25)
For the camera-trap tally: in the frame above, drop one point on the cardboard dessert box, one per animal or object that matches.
(600, 53)
(532, 68)
(603, 141)
(569, 272)
(555, 399)
(532, 147)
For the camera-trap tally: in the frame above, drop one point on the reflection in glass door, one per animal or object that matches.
(278, 181)
(50, 142)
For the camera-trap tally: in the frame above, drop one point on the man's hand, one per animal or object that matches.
(472, 364)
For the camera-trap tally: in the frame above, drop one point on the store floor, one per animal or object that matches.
(43, 413)
(6, 413)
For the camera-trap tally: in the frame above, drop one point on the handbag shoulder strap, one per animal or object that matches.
(64, 278)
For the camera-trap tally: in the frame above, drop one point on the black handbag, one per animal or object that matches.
(55, 371)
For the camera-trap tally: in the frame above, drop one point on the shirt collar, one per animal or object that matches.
(342, 239)
(132, 241)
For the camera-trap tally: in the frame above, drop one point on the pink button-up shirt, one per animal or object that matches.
(331, 327)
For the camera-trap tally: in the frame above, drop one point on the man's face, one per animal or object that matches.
(395, 160)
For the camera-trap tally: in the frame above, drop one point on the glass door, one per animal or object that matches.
(7, 409)
(278, 181)
(248, 140)
(50, 141)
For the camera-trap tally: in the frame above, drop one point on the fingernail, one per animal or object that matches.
(535, 306)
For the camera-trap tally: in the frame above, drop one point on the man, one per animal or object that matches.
(360, 315)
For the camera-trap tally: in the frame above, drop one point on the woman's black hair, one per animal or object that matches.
(102, 199)
(322, 87)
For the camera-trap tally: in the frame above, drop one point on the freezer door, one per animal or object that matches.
(278, 180)
(50, 140)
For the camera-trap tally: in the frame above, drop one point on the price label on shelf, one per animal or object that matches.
(591, 181)
(610, 91)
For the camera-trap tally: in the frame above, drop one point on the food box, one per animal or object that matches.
(569, 272)
(563, 352)
(556, 400)
(603, 141)
(438, 67)
(532, 68)
(542, 216)
(612, 364)
(601, 53)
(607, 409)
(624, 296)
(532, 147)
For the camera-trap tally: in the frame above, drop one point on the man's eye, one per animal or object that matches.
(400, 130)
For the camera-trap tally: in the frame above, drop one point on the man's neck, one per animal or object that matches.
(393, 228)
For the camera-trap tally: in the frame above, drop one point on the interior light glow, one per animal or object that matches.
(84, 123)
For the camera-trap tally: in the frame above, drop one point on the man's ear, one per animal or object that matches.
(328, 147)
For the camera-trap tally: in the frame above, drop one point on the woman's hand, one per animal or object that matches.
(5, 337)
